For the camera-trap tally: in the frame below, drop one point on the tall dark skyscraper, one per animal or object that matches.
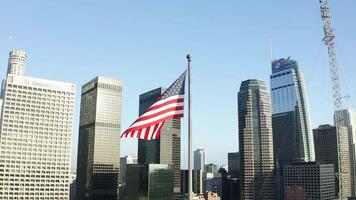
(292, 133)
(332, 147)
(255, 142)
(166, 149)
(293, 139)
(99, 140)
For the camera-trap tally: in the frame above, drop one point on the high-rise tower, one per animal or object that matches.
(35, 134)
(255, 141)
(332, 147)
(166, 149)
(292, 133)
(349, 120)
(199, 159)
(17, 62)
(293, 139)
(99, 139)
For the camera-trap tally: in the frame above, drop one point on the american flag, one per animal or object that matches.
(169, 106)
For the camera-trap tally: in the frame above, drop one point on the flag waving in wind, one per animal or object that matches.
(170, 105)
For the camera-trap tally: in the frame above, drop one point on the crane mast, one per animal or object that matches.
(329, 40)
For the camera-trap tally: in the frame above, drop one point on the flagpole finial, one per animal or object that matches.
(189, 57)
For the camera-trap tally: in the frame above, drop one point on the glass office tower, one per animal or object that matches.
(255, 142)
(99, 139)
(293, 139)
(166, 149)
(292, 133)
(149, 182)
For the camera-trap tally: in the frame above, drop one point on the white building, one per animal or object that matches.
(36, 131)
(199, 159)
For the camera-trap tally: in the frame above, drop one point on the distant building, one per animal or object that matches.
(211, 168)
(98, 161)
(197, 182)
(166, 149)
(199, 159)
(255, 142)
(149, 182)
(327, 140)
(309, 181)
(35, 133)
(233, 163)
(132, 159)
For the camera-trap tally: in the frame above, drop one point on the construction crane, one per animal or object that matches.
(329, 40)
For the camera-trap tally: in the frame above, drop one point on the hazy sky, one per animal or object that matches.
(144, 43)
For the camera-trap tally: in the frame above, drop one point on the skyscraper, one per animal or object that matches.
(309, 181)
(332, 147)
(255, 141)
(233, 162)
(99, 139)
(199, 159)
(293, 139)
(292, 133)
(17, 62)
(36, 132)
(166, 149)
(349, 116)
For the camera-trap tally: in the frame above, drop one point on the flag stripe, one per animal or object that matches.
(157, 118)
(170, 104)
(160, 113)
(159, 102)
(129, 130)
(172, 101)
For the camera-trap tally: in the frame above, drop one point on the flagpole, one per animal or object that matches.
(190, 152)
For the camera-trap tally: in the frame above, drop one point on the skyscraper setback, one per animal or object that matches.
(99, 139)
(255, 141)
(36, 132)
(166, 149)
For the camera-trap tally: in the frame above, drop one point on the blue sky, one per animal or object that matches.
(145, 43)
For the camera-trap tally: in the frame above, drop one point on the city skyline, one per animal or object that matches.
(49, 58)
